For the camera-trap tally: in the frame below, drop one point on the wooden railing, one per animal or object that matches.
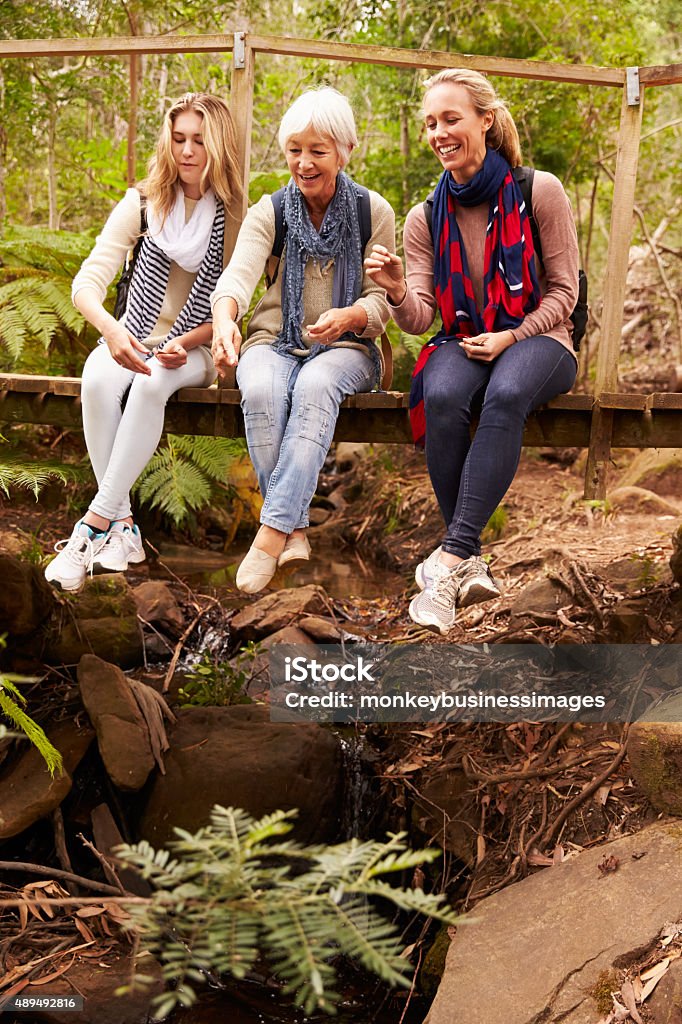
(633, 82)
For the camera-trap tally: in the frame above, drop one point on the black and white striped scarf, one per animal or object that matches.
(150, 280)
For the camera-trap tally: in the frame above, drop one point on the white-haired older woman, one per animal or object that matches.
(309, 343)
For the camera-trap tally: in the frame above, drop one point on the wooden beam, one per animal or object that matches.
(641, 421)
(241, 106)
(620, 235)
(115, 46)
(391, 56)
(662, 74)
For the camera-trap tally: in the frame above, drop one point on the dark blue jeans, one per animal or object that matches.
(470, 478)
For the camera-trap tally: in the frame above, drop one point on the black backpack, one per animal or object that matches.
(364, 218)
(524, 177)
(123, 283)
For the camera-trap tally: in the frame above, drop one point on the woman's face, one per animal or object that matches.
(455, 132)
(187, 147)
(314, 163)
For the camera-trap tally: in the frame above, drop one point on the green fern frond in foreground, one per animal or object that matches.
(227, 895)
(16, 714)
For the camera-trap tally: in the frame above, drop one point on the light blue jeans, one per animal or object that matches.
(290, 410)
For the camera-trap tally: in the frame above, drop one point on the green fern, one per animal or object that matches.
(182, 476)
(36, 271)
(31, 729)
(227, 894)
(16, 471)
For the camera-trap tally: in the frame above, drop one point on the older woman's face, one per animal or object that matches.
(314, 163)
(455, 131)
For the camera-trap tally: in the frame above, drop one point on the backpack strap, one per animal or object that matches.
(364, 221)
(524, 179)
(428, 212)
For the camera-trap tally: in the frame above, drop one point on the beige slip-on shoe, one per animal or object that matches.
(296, 549)
(256, 570)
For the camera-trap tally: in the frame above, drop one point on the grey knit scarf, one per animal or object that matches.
(338, 240)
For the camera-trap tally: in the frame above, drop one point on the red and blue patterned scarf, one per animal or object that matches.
(510, 285)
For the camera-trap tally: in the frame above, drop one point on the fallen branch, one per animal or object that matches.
(181, 643)
(69, 876)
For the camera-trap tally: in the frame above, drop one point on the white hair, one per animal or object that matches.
(329, 113)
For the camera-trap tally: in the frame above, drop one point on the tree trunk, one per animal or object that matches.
(3, 155)
(52, 167)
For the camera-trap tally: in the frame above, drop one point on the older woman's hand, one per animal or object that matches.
(386, 270)
(333, 324)
(227, 341)
(487, 347)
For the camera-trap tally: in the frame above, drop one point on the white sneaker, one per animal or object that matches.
(435, 606)
(76, 555)
(123, 548)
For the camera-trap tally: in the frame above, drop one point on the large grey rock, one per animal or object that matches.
(655, 753)
(102, 620)
(532, 953)
(283, 608)
(27, 790)
(236, 756)
(122, 733)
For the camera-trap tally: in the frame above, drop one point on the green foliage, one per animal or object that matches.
(187, 473)
(230, 893)
(9, 695)
(496, 525)
(214, 683)
(16, 471)
(36, 270)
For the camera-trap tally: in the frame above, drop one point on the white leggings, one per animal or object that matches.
(121, 443)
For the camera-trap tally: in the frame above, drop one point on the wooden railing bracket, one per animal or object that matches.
(239, 51)
(632, 86)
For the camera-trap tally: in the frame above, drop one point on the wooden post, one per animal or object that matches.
(241, 105)
(134, 65)
(620, 235)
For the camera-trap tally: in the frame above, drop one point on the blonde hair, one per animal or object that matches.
(329, 113)
(220, 142)
(502, 134)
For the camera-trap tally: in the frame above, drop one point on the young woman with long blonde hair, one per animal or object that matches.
(162, 341)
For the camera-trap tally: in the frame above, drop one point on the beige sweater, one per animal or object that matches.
(117, 238)
(558, 277)
(252, 251)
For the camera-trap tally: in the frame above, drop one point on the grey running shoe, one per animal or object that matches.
(435, 606)
(423, 574)
(476, 582)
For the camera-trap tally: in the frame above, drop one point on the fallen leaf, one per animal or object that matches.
(653, 976)
(608, 865)
(638, 856)
(602, 795)
(480, 850)
(628, 996)
(89, 911)
(559, 855)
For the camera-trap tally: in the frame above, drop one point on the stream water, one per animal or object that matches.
(344, 575)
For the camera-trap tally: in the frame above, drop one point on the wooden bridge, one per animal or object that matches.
(599, 422)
